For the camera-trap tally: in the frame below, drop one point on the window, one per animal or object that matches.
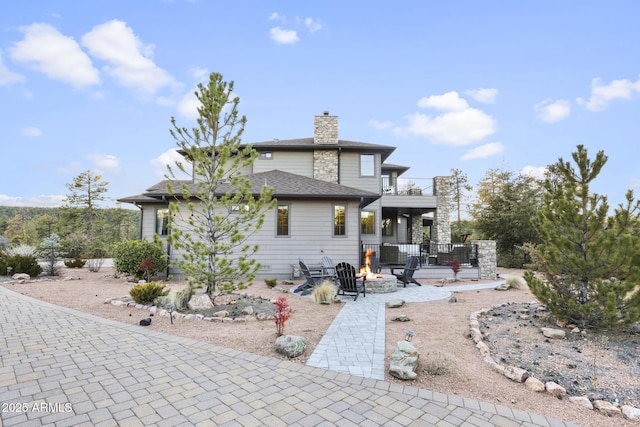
(282, 226)
(339, 220)
(367, 165)
(387, 227)
(266, 155)
(162, 222)
(368, 222)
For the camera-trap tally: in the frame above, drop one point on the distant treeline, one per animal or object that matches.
(30, 225)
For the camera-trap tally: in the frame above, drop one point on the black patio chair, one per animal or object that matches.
(407, 271)
(311, 281)
(348, 282)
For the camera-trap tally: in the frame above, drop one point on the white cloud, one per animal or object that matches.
(484, 95)
(104, 162)
(199, 73)
(534, 171)
(188, 106)
(46, 201)
(602, 94)
(58, 56)
(283, 36)
(450, 101)
(31, 131)
(552, 111)
(275, 16)
(8, 77)
(455, 128)
(312, 25)
(380, 125)
(129, 61)
(170, 157)
(483, 151)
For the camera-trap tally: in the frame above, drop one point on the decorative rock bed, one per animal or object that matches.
(522, 376)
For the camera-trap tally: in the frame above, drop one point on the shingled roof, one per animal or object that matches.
(285, 185)
(303, 144)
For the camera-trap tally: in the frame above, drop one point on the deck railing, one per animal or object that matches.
(429, 254)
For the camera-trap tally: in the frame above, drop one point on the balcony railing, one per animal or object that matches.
(408, 187)
(429, 254)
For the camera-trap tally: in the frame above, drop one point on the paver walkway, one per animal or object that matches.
(61, 367)
(355, 340)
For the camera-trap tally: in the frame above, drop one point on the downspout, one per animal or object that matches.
(361, 246)
(339, 152)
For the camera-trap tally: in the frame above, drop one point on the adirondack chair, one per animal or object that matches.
(329, 268)
(348, 282)
(311, 281)
(407, 271)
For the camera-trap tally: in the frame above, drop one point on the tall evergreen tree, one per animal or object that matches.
(222, 209)
(506, 205)
(85, 193)
(459, 185)
(588, 259)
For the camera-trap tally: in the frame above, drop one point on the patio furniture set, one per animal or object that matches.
(345, 277)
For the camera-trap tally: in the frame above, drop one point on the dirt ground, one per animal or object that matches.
(441, 328)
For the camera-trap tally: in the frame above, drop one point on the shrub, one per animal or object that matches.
(49, 249)
(325, 293)
(271, 282)
(75, 263)
(22, 264)
(283, 312)
(129, 254)
(436, 363)
(145, 293)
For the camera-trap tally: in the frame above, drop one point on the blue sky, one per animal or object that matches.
(460, 84)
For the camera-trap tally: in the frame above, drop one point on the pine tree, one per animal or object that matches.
(85, 193)
(588, 259)
(222, 209)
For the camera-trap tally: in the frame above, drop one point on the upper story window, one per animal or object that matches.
(339, 220)
(367, 165)
(162, 222)
(267, 155)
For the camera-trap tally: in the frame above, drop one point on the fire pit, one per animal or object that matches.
(380, 283)
(374, 282)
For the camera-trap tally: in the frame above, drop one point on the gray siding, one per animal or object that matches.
(311, 238)
(298, 162)
(350, 172)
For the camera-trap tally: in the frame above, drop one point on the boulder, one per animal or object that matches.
(553, 333)
(291, 345)
(582, 401)
(395, 303)
(247, 310)
(200, 302)
(555, 389)
(404, 361)
(606, 408)
(518, 375)
(534, 384)
(401, 318)
(221, 313)
(630, 412)
(21, 276)
(145, 322)
(453, 299)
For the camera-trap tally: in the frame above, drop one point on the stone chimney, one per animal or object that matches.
(325, 129)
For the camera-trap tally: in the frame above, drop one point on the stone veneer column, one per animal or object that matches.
(325, 129)
(441, 228)
(325, 162)
(325, 165)
(487, 258)
(416, 229)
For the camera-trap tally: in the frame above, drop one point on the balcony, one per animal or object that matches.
(414, 193)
